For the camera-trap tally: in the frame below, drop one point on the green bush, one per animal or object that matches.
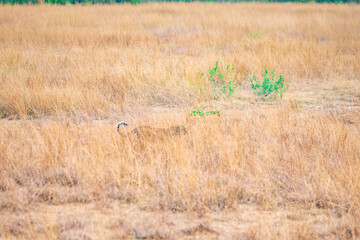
(269, 89)
(223, 83)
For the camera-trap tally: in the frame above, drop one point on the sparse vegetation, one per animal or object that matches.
(284, 169)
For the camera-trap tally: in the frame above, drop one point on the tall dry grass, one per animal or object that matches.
(279, 154)
(261, 170)
(274, 159)
(101, 60)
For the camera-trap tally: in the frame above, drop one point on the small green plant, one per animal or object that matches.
(269, 89)
(255, 35)
(223, 83)
(200, 112)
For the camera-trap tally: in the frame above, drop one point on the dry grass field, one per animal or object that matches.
(286, 169)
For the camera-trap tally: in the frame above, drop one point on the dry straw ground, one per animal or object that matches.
(283, 170)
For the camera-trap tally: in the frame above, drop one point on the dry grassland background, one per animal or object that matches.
(288, 169)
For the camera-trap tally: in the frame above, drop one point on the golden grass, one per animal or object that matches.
(106, 59)
(288, 169)
(276, 160)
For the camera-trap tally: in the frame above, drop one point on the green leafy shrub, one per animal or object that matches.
(200, 112)
(269, 89)
(223, 83)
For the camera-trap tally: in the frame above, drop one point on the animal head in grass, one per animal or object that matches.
(146, 131)
(120, 124)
